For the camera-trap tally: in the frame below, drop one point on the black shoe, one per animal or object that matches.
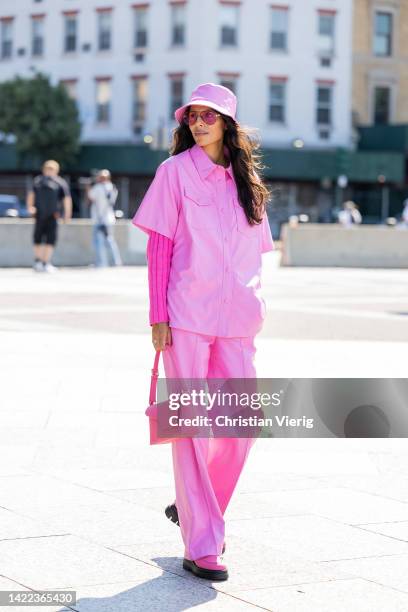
(203, 572)
(172, 514)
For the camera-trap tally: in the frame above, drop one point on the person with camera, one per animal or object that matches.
(102, 197)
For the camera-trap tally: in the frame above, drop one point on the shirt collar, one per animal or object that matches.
(205, 165)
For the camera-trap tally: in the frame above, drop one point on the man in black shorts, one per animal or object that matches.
(48, 200)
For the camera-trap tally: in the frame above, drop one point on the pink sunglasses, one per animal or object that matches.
(209, 117)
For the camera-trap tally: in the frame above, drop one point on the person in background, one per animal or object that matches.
(350, 215)
(102, 197)
(44, 203)
(404, 214)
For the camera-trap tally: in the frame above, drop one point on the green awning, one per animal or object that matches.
(280, 164)
(358, 166)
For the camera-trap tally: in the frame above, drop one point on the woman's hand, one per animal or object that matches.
(161, 336)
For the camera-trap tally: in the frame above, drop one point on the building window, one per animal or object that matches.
(229, 15)
(277, 100)
(141, 26)
(104, 30)
(382, 106)
(324, 109)
(279, 28)
(178, 24)
(70, 33)
(230, 81)
(70, 87)
(37, 36)
(103, 100)
(176, 94)
(382, 34)
(326, 30)
(139, 100)
(6, 38)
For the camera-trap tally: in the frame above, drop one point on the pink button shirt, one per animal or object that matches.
(214, 283)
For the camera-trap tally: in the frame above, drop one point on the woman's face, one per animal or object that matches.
(203, 133)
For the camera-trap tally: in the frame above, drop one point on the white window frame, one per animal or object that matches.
(101, 31)
(108, 104)
(284, 83)
(35, 38)
(230, 81)
(386, 10)
(173, 101)
(73, 18)
(329, 105)
(327, 52)
(6, 38)
(385, 80)
(139, 83)
(234, 9)
(178, 19)
(275, 9)
(140, 14)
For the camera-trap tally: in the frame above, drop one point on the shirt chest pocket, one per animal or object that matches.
(199, 209)
(249, 231)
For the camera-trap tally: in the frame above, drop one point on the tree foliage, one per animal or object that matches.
(41, 117)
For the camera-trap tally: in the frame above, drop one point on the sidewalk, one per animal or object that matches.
(314, 525)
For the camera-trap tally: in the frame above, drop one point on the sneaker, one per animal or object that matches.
(172, 514)
(38, 266)
(49, 268)
(209, 567)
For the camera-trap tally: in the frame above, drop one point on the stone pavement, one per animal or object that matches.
(314, 525)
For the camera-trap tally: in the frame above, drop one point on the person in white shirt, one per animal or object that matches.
(350, 215)
(102, 197)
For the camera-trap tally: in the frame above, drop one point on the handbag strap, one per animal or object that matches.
(153, 380)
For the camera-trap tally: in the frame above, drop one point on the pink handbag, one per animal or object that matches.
(152, 411)
(153, 408)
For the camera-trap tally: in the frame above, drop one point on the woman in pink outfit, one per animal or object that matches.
(205, 214)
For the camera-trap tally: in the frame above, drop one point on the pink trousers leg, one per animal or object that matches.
(206, 470)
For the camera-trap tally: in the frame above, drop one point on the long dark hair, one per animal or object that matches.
(253, 194)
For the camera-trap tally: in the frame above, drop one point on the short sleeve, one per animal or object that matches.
(92, 192)
(159, 208)
(64, 189)
(267, 240)
(36, 185)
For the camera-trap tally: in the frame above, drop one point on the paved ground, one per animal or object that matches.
(315, 525)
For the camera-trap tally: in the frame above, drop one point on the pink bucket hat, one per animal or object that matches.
(215, 96)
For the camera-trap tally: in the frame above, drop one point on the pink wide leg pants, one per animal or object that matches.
(206, 470)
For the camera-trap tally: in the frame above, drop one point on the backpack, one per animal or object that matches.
(47, 195)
